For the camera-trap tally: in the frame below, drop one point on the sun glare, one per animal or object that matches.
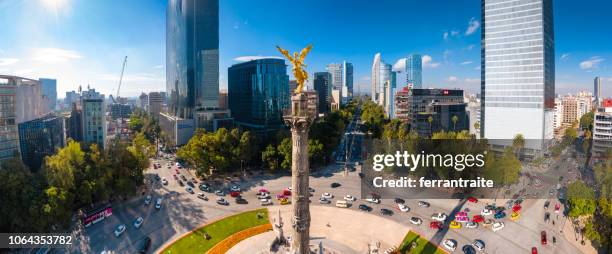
(55, 4)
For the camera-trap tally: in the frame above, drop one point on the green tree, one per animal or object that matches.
(586, 121)
(285, 150)
(454, 119)
(60, 168)
(581, 199)
(316, 154)
(518, 143)
(270, 157)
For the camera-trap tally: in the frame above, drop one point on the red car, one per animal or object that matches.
(473, 200)
(543, 234)
(534, 250)
(175, 177)
(516, 208)
(477, 219)
(234, 194)
(435, 225)
(287, 192)
(177, 171)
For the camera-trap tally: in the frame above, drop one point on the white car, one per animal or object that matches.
(202, 196)
(158, 203)
(219, 193)
(327, 195)
(350, 198)
(234, 188)
(325, 201)
(147, 200)
(439, 217)
(164, 181)
(423, 204)
(416, 220)
(138, 222)
(373, 200)
(497, 226)
(119, 230)
(479, 245)
(486, 212)
(265, 202)
(449, 244)
(471, 224)
(403, 208)
(263, 195)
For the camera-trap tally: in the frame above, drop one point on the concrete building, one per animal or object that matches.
(49, 90)
(602, 128)
(558, 116)
(120, 111)
(322, 84)
(441, 116)
(258, 93)
(155, 104)
(178, 130)
(71, 97)
(39, 138)
(342, 79)
(143, 101)
(518, 72)
(9, 144)
(574, 107)
(93, 119)
(473, 111)
(223, 100)
(30, 102)
(335, 102)
(402, 101)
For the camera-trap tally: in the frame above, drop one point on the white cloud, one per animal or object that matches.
(565, 56)
(400, 65)
(251, 58)
(470, 47)
(428, 62)
(445, 35)
(454, 33)
(158, 67)
(592, 63)
(467, 62)
(136, 77)
(54, 55)
(473, 25)
(472, 80)
(8, 61)
(452, 79)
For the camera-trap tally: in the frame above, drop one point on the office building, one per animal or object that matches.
(347, 81)
(39, 138)
(381, 74)
(335, 70)
(574, 107)
(602, 129)
(30, 102)
(223, 100)
(155, 105)
(192, 56)
(258, 93)
(74, 123)
(49, 90)
(120, 111)
(71, 97)
(414, 71)
(441, 116)
(8, 124)
(93, 119)
(409, 103)
(558, 115)
(517, 72)
(597, 90)
(322, 84)
(143, 101)
(335, 99)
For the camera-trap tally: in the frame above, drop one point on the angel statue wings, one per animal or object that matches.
(297, 61)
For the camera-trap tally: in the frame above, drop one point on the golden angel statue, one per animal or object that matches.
(297, 61)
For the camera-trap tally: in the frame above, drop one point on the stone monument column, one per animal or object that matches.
(300, 120)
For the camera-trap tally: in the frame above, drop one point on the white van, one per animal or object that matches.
(342, 203)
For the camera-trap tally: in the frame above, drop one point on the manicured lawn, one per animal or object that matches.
(423, 246)
(196, 242)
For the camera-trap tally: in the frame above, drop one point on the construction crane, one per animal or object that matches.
(120, 79)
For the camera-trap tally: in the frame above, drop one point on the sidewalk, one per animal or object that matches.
(575, 238)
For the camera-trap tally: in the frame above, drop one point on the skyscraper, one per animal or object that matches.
(597, 89)
(381, 73)
(93, 118)
(192, 56)
(375, 91)
(518, 71)
(335, 70)
(258, 93)
(322, 84)
(39, 138)
(49, 90)
(347, 80)
(414, 71)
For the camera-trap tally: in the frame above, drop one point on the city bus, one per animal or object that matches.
(97, 214)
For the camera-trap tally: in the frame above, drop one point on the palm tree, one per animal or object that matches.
(454, 119)
(477, 125)
(518, 143)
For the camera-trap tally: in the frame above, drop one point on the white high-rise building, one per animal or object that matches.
(342, 79)
(518, 77)
(381, 73)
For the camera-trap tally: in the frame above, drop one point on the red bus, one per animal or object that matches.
(97, 214)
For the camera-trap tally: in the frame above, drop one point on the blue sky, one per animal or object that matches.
(82, 42)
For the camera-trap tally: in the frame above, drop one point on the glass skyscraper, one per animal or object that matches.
(39, 138)
(414, 71)
(192, 56)
(518, 70)
(258, 93)
(322, 84)
(49, 89)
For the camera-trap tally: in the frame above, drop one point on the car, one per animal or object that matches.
(234, 194)
(263, 195)
(516, 208)
(450, 244)
(119, 230)
(486, 212)
(147, 200)
(472, 200)
(546, 217)
(557, 207)
(138, 222)
(361, 175)
(543, 237)
(403, 208)
(534, 250)
(219, 193)
(499, 215)
(263, 190)
(546, 205)
(235, 188)
(373, 200)
(175, 177)
(385, 211)
(364, 207)
(499, 209)
(350, 198)
(399, 201)
(462, 217)
(335, 185)
(190, 183)
(327, 195)
(416, 220)
(423, 204)
(222, 201)
(158, 203)
(181, 183)
(285, 201)
(189, 189)
(487, 222)
(479, 245)
(325, 201)
(477, 219)
(471, 224)
(436, 225)
(164, 181)
(202, 196)
(145, 245)
(242, 201)
(438, 217)
(204, 187)
(287, 192)
(515, 216)
(468, 249)
(265, 202)
(281, 196)
(455, 224)
(497, 226)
